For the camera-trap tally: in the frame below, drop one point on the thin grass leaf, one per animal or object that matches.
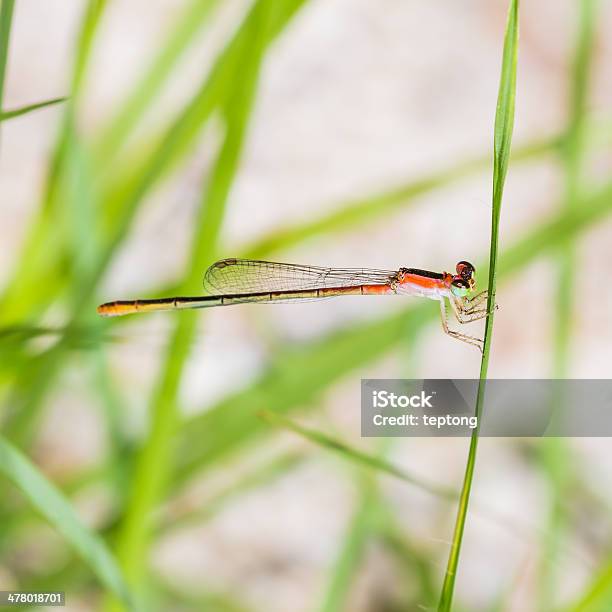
(117, 465)
(91, 22)
(150, 85)
(118, 213)
(123, 197)
(572, 154)
(557, 464)
(47, 242)
(504, 123)
(352, 454)
(24, 110)
(373, 520)
(354, 213)
(153, 465)
(55, 229)
(353, 548)
(74, 221)
(42, 255)
(6, 20)
(413, 562)
(258, 476)
(58, 511)
(555, 454)
(597, 595)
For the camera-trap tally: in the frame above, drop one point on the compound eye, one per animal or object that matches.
(460, 287)
(465, 269)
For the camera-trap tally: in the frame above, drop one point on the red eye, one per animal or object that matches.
(465, 269)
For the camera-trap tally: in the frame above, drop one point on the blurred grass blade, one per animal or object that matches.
(125, 194)
(254, 477)
(353, 213)
(91, 22)
(353, 549)
(124, 191)
(188, 26)
(354, 455)
(348, 215)
(504, 123)
(58, 511)
(571, 154)
(54, 228)
(414, 563)
(598, 594)
(153, 465)
(42, 255)
(17, 112)
(6, 20)
(118, 213)
(122, 195)
(555, 454)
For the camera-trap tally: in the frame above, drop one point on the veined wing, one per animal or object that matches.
(245, 276)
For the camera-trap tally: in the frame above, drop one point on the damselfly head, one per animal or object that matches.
(467, 272)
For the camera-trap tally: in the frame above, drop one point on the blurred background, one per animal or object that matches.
(345, 133)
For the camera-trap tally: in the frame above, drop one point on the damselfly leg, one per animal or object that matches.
(466, 310)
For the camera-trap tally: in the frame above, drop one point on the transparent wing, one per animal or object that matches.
(244, 276)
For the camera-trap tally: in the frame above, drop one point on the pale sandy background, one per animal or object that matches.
(359, 95)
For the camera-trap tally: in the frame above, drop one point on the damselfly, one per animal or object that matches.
(242, 281)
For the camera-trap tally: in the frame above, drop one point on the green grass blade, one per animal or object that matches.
(58, 511)
(53, 230)
(354, 213)
(43, 255)
(24, 110)
(353, 548)
(572, 154)
(356, 456)
(598, 594)
(504, 123)
(188, 26)
(87, 34)
(118, 214)
(413, 563)
(121, 196)
(153, 466)
(6, 20)
(253, 478)
(125, 195)
(555, 454)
